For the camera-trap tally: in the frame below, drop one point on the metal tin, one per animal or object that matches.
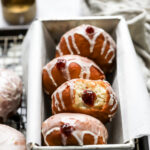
(42, 45)
(18, 12)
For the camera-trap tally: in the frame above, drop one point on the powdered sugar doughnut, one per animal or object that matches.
(10, 93)
(11, 139)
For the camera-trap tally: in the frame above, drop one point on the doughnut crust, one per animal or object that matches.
(11, 139)
(91, 42)
(73, 129)
(64, 68)
(91, 97)
(10, 93)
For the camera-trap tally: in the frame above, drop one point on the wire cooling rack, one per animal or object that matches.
(10, 57)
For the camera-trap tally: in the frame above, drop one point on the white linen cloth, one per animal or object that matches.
(137, 15)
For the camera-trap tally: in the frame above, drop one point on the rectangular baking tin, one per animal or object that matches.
(38, 50)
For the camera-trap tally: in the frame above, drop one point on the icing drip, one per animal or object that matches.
(114, 107)
(111, 94)
(81, 30)
(92, 42)
(104, 45)
(109, 51)
(112, 99)
(60, 91)
(67, 43)
(111, 59)
(79, 135)
(59, 50)
(111, 116)
(56, 101)
(71, 88)
(49, 71)
(60, 96)
(74, 45)
(84, 63)
(64, 139)
(49, 132)
(75, 125)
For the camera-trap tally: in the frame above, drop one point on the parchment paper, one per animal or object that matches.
(132, 120)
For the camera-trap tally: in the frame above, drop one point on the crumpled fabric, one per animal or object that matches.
(137, 15)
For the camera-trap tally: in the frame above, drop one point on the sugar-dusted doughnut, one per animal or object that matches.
(11, 139)
(10, 93)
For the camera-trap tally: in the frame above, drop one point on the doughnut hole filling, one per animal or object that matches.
(99, 95)
(89, 97)
(89, 30)
(66, 129)
(61, 63)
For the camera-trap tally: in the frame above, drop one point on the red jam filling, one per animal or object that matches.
(89, 30)
(89, 97)
(61, 63)
(66, 129)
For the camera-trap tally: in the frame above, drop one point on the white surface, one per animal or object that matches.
(52, 9)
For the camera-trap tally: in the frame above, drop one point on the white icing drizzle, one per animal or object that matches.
(79, 136)
(81, 123)
(56, 101)
(81, 30)
(111, 100)
(49, 70)
(112, 96)
(49, 132)
(104, 140)
(74, 45)
(109, 51)
(110, 115)
(114, 107)
(64, 139)
(84, 63)
(71, 85)
(66, 37)
(59, 50)
(104, 45)
(94, 135)
(60, 91)
(60, 96)
(111, 59)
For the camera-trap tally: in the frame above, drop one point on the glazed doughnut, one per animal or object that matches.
(11, 139)
(10, 93)
(91, 42)
(68, 67)
(73, 129)
(91, 97)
